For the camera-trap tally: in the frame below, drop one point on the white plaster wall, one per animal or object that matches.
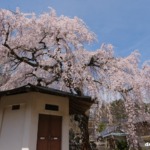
(1, 113)
(35, 105)
(21, 116)
(12, 129)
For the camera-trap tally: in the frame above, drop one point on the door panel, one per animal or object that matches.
(55, 145)
(49, 132)
(55, 132)
(43, 131)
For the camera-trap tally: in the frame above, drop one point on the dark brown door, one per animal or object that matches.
(49, 132)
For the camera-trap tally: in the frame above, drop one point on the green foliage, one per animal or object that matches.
(101, 127)
(118, 110)
(122, 145)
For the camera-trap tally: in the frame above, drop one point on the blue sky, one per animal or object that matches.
(122, 23)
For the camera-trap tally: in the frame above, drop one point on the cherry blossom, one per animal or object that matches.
(50, 49)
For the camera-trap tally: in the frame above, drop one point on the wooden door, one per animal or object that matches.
(49, 132)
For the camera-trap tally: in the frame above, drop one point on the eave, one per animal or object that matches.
(77, 104)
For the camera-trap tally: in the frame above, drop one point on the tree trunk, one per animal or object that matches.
(132, 138)
(83, 125)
